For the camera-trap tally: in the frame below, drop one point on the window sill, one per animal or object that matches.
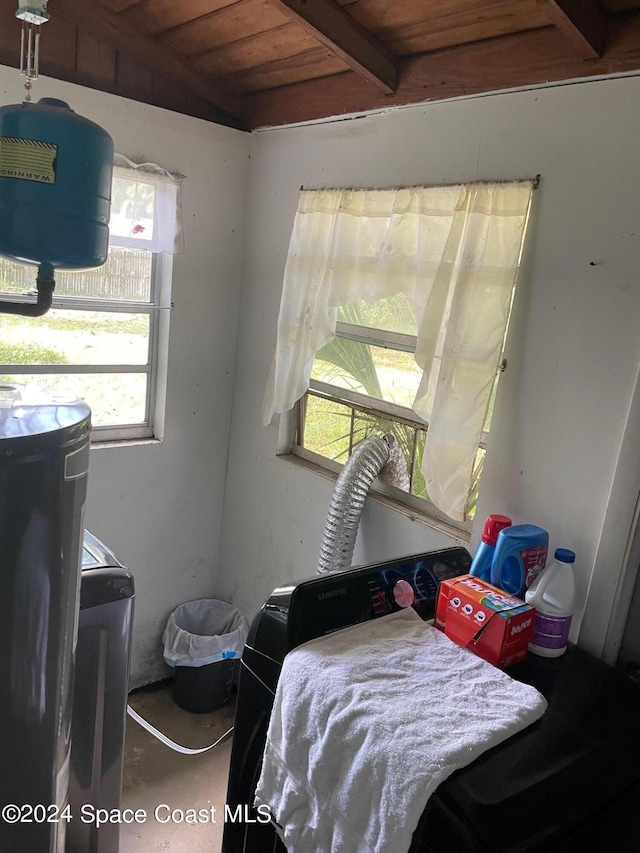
(461, 536)
(105, 443)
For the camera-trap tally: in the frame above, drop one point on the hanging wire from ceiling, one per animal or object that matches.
(32, 17)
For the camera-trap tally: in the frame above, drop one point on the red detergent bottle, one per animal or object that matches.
(481, 564)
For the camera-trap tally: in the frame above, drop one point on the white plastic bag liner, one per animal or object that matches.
(204, 631)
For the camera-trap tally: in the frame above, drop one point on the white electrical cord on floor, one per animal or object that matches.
(172, 744)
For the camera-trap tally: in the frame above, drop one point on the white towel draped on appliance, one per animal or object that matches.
(368, 721)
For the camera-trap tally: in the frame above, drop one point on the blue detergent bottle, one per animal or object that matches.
(481, 565)
(519, 557)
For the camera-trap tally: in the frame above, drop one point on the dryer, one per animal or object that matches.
(293, 614)
(571, 777)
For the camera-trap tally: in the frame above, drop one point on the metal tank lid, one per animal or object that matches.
(29, 410)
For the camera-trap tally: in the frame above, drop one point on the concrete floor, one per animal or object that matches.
(157, 778)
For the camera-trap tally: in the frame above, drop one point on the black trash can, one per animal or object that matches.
(203, 688)
(203, 640)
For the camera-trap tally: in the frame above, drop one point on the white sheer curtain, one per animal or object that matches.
(146, 208)
(454, 251)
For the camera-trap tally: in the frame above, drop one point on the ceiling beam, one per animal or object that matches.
(337, 30)
(524, 59)
(582, 22)
(94, 18)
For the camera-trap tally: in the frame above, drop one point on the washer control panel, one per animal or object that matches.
(327, 603)
(415, 582)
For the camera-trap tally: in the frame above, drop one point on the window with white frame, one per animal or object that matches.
(104, 340)
(393, 319)
(364, 382)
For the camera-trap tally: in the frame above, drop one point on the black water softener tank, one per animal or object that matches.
(44, 461)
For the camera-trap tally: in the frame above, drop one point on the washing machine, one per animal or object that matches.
(572, 777)
(101, 688)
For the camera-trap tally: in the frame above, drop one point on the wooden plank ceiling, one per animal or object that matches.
(254, 63)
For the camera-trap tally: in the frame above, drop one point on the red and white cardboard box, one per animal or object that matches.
(488, 621)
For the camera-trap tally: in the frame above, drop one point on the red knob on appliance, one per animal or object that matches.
(403, 594)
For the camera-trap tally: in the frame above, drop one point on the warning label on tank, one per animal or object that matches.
(28, 159)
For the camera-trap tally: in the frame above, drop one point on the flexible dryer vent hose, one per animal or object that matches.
(341, 527)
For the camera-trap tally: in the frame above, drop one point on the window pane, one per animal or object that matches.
(418, 485)
(394, 314)
(114, 398)
(132, 209)
(490, 406)
(472, 500)
(331, 428)
(76, 337)
(385, 374)
(126, 276)
(410, 439)
(327, 427)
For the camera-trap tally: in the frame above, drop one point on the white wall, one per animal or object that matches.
(159, 505)
(573, 349)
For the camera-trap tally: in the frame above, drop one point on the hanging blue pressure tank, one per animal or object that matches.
(55, 186)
